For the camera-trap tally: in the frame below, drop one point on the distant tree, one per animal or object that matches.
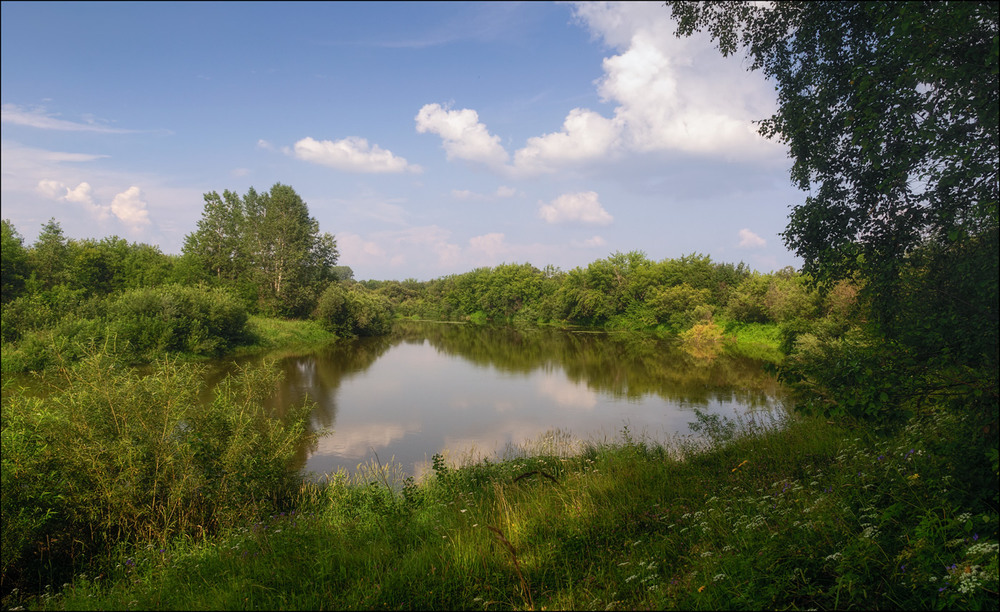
(342, 273)
(50, 256)
(13, 262)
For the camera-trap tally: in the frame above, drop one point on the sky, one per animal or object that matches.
(429, 138)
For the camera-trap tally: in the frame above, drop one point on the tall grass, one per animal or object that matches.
(114, 458)
(755, 514)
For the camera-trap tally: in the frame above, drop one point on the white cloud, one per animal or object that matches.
(130, 207)
(670, 95)
(263, 144)
(676, 93)
(594, 241)
(463, 135)
(750, 240)
(581, 207)
(506, 192)
(50, 189)
(38, 118)
(491, 245)
(585, 135)
(351, 154)
(81, 194)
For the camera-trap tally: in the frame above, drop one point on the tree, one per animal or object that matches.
(218, 241)
(267, 241)
(13, 262)
(50, 256)
(890, 113)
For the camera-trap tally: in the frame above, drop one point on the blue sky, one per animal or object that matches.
(429, 138)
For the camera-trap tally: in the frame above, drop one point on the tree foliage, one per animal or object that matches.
(266, 246)
(889, 110)
(13, 261)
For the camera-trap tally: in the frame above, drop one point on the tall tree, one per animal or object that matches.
(267, 240)
(218, 240)
(890, 113)
(50, 256)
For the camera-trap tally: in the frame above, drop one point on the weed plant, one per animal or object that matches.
(754, 514)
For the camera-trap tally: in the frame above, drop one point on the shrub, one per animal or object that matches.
(177, 319)
(354, 311)
(114, 456)
(703, 339)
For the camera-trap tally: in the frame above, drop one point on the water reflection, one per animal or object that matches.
(430, 388)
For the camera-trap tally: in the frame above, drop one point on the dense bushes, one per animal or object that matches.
(137, 325)
(354, 310)
(113, 456)
(177, 319)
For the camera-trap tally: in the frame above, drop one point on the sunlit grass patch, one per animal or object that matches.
(272, 333)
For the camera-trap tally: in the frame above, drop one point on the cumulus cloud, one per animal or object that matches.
(585, 135)
(582, 207)
(81, 194)
(669, 95)
(750, 240)
(463, 135)
(130, 207)
(351, 154)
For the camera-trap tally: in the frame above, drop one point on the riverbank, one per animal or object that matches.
(806, 515)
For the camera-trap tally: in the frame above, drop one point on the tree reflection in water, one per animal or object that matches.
(431, 387)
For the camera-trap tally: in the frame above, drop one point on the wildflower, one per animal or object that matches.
(914, 476)
(701, 588)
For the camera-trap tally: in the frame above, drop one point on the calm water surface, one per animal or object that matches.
(467, 391)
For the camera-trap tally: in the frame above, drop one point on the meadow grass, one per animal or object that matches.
(756, 514)
(290, 335)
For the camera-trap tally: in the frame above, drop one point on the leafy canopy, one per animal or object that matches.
(889, 110)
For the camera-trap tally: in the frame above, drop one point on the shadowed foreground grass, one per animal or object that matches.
(753, 516)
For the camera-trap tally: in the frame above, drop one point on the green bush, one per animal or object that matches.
(354, 311)
(176, 319)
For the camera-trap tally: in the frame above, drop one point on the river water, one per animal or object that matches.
(468, 391)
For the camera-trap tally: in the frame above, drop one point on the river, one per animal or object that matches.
(469, 391)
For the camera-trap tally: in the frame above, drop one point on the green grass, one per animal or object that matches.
(759, 341)
(285, 334)
(754, 515)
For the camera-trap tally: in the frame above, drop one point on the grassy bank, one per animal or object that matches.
(809, 515)
(270, 334)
